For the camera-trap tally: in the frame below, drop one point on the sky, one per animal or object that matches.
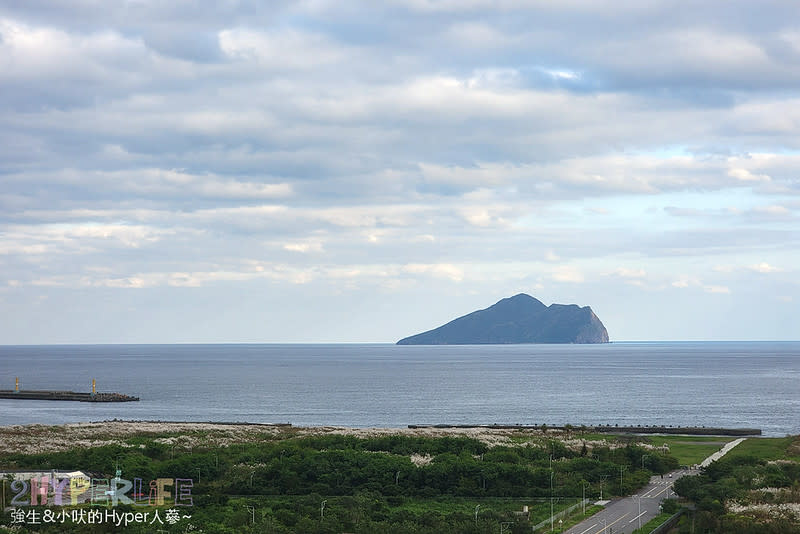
(346, 171)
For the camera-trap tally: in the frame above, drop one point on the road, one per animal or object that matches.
(623, 516)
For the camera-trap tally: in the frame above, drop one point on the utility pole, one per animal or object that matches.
(476, 514)
(252, 510)
(322, 510)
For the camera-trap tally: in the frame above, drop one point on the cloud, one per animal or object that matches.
(442, 270)
(568, 274)
(746, 176)
(717, 289)
(685, 281)
(303, 247)
(764, 268)
(269, 49)
(322, 148)
(624, 272)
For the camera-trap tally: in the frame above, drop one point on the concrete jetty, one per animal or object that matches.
(43, 394)
(65, 396)
(608, 429)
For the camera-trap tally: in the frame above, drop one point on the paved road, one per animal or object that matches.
(622, 516)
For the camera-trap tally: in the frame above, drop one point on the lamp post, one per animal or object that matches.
(551, 500)
(322, 510)
(476, 514)
(639, 500)
(252, 510)
(583, 494)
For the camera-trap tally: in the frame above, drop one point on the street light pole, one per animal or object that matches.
(322, 510)
(583, 494)
(639, 500)
(252, 510)
(551, 500)
(476, 514)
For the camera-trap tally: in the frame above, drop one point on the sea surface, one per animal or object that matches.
(726, 384)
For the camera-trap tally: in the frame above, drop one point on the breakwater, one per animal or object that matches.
(688, 430)
(65, 396)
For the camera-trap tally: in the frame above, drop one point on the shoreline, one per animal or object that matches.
(188, 434)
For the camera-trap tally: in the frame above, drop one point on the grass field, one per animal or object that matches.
(691, 450)
(688, 450)
(787, 448)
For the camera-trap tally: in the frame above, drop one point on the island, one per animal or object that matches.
(517, 319)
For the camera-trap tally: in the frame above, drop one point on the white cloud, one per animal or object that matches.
(746, 176)
(286, 48)
(685, 281)
(303, 247)
(764, 267)
(717, 289)
(567, 273)
(477, 35)
(439, 270)
(624, 272)
(772, 210)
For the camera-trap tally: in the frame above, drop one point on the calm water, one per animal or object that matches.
(727, 384)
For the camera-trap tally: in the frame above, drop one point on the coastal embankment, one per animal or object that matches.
(608, 429)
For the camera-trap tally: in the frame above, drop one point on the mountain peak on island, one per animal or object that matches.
(518, 319)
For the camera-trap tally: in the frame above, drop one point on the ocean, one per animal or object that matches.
(726, 384)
